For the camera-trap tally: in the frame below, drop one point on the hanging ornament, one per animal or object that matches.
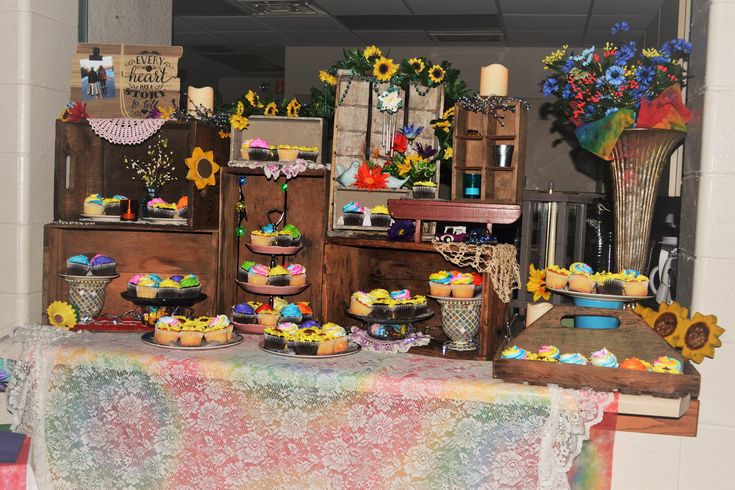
(241, 207)
(284, 187)
(389, 103)
(239, 231)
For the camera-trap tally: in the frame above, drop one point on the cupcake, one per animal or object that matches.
(310, 324)
(439, 284)
(146, 288)
(190, 286)
(603, 358)
(102, 265)
(581, 278)
(403, 308)
(263, 238)
(258, 275)
(424, 190)
(547, 351)
(297, 274)
(168, 289)
(556, 277)
(353, 214)
(267, 316)
(637, 286)
(78, 265)
(288, 153)
(244, 313)
(308, 153)
(573, 358)
(167, 330)
(635, 364)
(462, 285)
(338, 335)
(379, 294)
(258, 149)
(244, 269)
(422, 306)
(182, 207)
(158, 208)
(275, 339)
(477, 282)
(291, 314)
(294, 232)
(514, 352)
(279, 276)
(192, 333)
(306, 342)
(279, 303)
(133, 283)
(216, 330)
(668, 365)
(361, 304)
(379, 216)
(111, 205)
(306, 311)
(382, 309)
(244, 147)
(93, 205)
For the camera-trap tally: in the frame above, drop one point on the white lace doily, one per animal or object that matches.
(125, 131)
(395, 346)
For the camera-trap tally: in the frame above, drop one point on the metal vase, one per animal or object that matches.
(638, 159)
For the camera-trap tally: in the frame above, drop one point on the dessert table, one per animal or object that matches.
(107, 411)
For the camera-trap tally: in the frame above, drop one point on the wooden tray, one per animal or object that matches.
(633, 338)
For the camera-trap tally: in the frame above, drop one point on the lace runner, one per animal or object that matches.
(273, 170)
(107, 411)
(497, 260)
(125, 131)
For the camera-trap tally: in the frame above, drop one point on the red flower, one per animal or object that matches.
(400, 142)
(371, 178)
(75, 112)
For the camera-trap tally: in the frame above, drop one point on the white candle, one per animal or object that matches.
(200, 98)
(494, 80)
(534, 311)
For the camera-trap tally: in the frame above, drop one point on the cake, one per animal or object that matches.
(379, 216)
(93, 205)
(102, 265)
(557, 277)
(258, 149)
(439, 284)
(77, 265)
(353, 214)
(297, 274)
(424, 190)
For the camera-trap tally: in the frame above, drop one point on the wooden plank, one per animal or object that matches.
(685, 426)
(470, 212)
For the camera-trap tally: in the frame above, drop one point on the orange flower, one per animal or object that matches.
(371, 178)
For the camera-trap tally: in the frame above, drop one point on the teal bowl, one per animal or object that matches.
(597, 322)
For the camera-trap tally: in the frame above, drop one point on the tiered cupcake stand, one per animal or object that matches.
(172, 306)
(372, 320)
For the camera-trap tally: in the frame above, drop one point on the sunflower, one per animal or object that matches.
(165, 112)
(239, 108)
(417, 64)
(201, 168)
(669, 321)
(253, 99)
(436, 74)
(371, 178)
(372, 52)
(384, 69)
(448, 153)
(446, 126)
(271, 109)
(449, 113)
(61, 314)
(327, 77)
(537, 283)
(293, 108)
(239, 122)
(700, 337)
(223, 134)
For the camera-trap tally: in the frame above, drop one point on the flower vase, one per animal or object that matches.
(638, 159)
(150, 193)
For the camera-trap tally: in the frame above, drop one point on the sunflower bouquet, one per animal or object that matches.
(605, 91)
(411, 160)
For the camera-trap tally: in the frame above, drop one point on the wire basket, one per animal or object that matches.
(460, 321)
(87, 294)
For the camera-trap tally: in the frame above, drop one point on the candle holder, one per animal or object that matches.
(503, 155)
(128, 210)
(472, 183)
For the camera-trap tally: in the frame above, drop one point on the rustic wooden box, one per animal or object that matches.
(294, 131)
(87, 164)
(633, 338)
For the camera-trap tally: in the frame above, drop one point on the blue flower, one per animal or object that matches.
(568, 66)
(550, 87)
(611, 110)
(411, 132)
(675, 46)
(586, 56)
(566, 93)
(620, 27)
(615, 75)
(625, 53)
(645, 75)
(660, 59)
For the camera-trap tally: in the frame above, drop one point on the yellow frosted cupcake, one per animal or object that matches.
(167, 331)
(636, 286)
(262, 238)
(556, 277)
(361, 303)
(216, 329)
(192, 333)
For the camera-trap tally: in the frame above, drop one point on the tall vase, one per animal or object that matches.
(638, 159)
(150, 193)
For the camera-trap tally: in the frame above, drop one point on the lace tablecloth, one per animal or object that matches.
(107, 411)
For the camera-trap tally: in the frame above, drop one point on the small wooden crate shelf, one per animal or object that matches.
(473, 153)
(294, 131)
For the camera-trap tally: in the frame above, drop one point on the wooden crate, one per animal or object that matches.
(164, 250)
(633, 338)
(357, 130)
(474, 154)
(294, 131)
(87, 164)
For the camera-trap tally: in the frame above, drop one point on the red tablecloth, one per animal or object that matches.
(13, 475)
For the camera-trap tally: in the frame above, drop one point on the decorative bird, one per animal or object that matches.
(348, 175)
(395, 182)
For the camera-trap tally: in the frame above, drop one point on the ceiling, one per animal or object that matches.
(237, 37)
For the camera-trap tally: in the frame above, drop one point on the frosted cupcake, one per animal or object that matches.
(267, 316)
(603, 358)
(439, 284)
(182, 207)
(244, 269)
(424, 190)
(297, 274)
(636, 286)
(167, 330)
(581, 278)
(462, 285)
(380, 216)
(514, 352)
(146, 288)
(192, 333)
(557, 277)
(258, 149)
(78, 265)
(93, 205)
(548, 351)
(573, 358)
(353, 213)
(258, 275)
(217, 329)
(291, 314)
(279, 276)
(668, 365)
(190, 286)
(361, 303)
(243, 313)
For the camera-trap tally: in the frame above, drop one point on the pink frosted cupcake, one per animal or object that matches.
(258, 149)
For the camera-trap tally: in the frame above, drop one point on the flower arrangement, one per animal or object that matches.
(605, 91)
(411, 160)
(157, 169)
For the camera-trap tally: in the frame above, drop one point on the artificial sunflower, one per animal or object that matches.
(223, 134)
(165, 112)
(240, 108)
(202, 168)
(61, 314)
(384, 69)
(537, 283)
(448, 153)
(239, 122)
(327, 77)
(449, 113)
(293, 108)
(371, 178)
(700, 337)
(372, 52)
(445, 126)
(668, 321)
(436, 74)
(253, 99)
(417, 64)
(404, 166)
(271, 109)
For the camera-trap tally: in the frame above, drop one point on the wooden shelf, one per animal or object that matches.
(501, 137)
(129, 227)
(684, 426)
(469, 167)
(259, 171)
(385, 244)
(495, 168)
(469, 138)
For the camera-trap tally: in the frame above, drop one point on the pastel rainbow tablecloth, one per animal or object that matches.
(107, 411)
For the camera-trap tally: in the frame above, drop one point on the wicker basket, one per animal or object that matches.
(461, 321)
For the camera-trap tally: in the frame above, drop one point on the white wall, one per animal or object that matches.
(130, 21)
(545, 160)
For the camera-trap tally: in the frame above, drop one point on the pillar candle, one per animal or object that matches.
(494, 80)
(534, 311)
(201, 98)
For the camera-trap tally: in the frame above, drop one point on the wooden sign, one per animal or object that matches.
(125, 80)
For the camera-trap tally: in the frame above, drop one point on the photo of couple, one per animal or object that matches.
(98, 78)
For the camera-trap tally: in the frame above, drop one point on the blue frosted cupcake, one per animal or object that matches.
(77, 265)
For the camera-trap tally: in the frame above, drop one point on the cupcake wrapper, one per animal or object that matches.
(381, 312)
(260, 154)
(112, 209)
(283, 240)
(132, 289)
(76, 269)
(104, 269)
(167, 293)
(404, 312)
(242, 275)
(422, 309)
(163, 213)
(257, 279)
(424, 192)
(274, 342)
(353, 219)
(245, 319)
(380, 220)
(146, 292)
(290, 319)
(309, 155)
(302, 348)
(190, 292)
(183, 212)
(282, 280)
